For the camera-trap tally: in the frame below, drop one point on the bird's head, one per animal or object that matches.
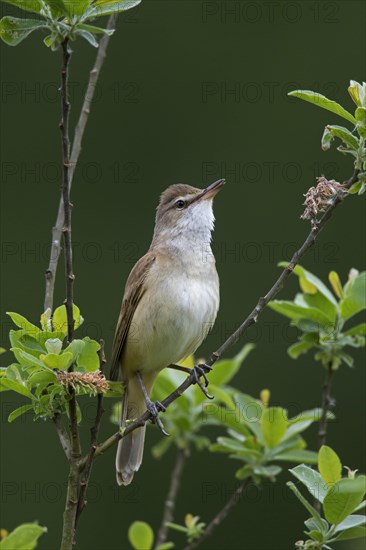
(186, 212)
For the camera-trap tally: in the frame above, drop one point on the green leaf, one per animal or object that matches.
(6, 385)
(312, 480)
(141, 535)
(225, 370)
(221, 395)
(227, 417)
(19, 411)
(75, 348)
(54, 345)
(96, 30)
(315, 515)
(116, 389)
(356, 92)
(353, 533)
(314, 280)
(356, 330)
(88, 357)
(89, 37)
(231, 445)
(59, 319)
(329, 465)
(249, 411)
(101, 7)
(336, 283)
(274, 425)
(298, 455)
(351, 521)
(268, 471)
(26, 359)
(345, 135)
(361, 121)
(327, 139)
(165, 546)
(354, 296)
(244, 472)
(34, 6)
(71, 7)
(54, 361)
(14, 30)
(318, 302)
(343, 497)
(23, 323)
(298, 348)
(293, 311)
(321, 101)
(24, 537)
(41, 377)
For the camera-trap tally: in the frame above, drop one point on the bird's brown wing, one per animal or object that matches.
(133, 293)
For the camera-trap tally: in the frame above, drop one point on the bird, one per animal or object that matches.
(170, 303)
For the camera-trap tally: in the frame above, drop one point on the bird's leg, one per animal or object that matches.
(198, 371)
(153, 407)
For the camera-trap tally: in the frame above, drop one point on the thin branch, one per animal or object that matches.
(63, 435)
(219, 518)
(323, 422)
(94, 430)
(248, 322)
(66, 229)
(75, 153)
(73, 481)
(326, 402)
(169, 504)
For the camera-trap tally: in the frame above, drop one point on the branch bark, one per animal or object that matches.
(94, 430)
(326, 402)
(169, 504)
(50, 275)
(63, 435)
(219, 518)
(248, 322)
(73, 480)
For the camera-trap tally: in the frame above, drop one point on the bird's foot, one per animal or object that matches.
(197, 371)
(154, 408)
(202, 370)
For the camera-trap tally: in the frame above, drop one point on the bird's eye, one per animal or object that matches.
(179, 205)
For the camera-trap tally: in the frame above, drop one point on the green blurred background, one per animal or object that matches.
(191, 91)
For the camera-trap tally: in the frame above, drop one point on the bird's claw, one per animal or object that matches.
(154, 409)
(201, 370)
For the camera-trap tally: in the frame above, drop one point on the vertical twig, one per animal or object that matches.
(63, 435)
(326, 402)
(66, 229)
(219, 518)
(68, 532)
(169, 504)
(323, 422)
(94, 430)
(75, 153)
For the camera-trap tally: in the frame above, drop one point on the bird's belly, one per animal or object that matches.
(171, 325)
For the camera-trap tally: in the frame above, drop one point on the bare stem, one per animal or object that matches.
(63, 435)
(75, 153)
(219, 518)
(326, 402)
(169, 504)
(66, 230)
(248, 322)
(94, 430)
(74, 474)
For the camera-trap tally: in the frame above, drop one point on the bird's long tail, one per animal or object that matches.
(131, 447)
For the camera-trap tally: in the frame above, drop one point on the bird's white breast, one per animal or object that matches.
(176, 311)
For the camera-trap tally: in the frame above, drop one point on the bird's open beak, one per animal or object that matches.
(211, 191)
